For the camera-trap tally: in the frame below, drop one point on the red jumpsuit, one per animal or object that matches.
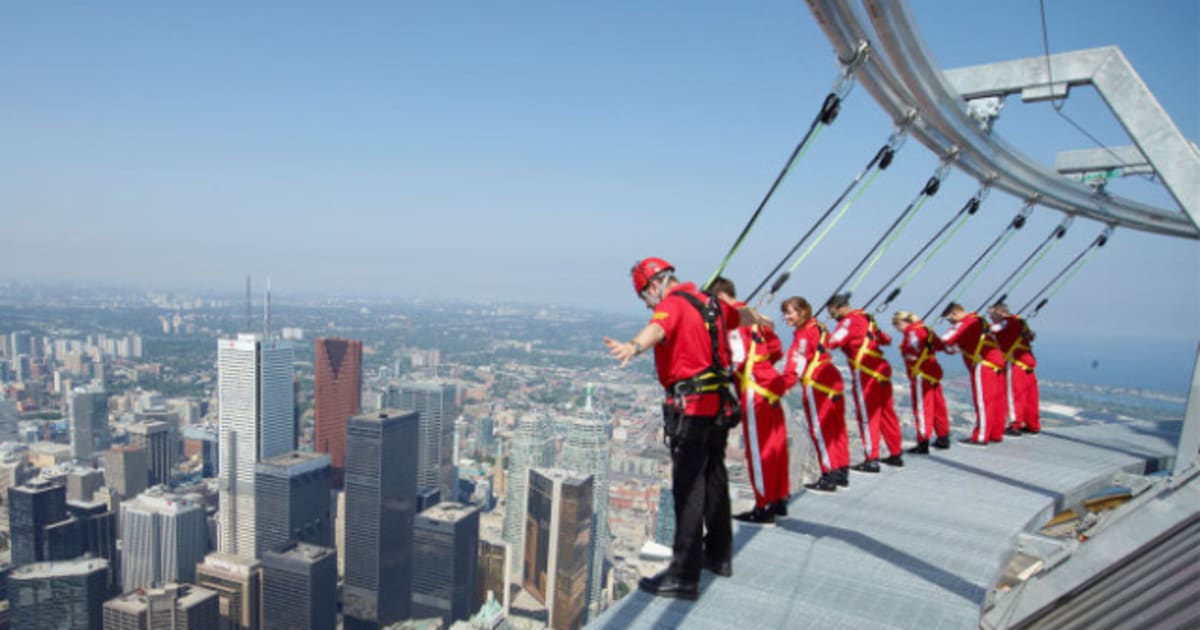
(858, 336)
(985, 364)
(763, 427)
(1014, 336)
(919, 349)
(809, 364)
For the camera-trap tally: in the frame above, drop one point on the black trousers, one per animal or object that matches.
(700, 485)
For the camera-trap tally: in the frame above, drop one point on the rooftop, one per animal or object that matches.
(923, 546)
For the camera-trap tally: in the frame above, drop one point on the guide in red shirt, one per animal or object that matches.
(688, 332)
(985, 364)
(1015, 338)
(919, 347)
(754, 351)
(810, 366)
(860, 338)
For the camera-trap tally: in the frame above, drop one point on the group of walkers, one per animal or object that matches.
(716, 356)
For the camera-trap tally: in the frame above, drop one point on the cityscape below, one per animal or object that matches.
(171, 460)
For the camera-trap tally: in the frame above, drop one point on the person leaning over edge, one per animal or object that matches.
(691, 355)
(1015, 338)
(755, 350)
(871, 381)
(823, 392)
(985, 363)
(919, 346)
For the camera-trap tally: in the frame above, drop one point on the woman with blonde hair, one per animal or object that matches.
(919, 347)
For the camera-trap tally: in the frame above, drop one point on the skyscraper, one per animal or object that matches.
(89, 423)
(299, 585)
(237, 584)
(446, 556)
(492, 571)
(532, 446)
(586, 452)
(66, 595)
(381, 489)
(126, 472)
(435, 404)
(337, 395)
(97, 530)
(164, 537)
(31, 508)
(664, 523)
(558, 544)
(172, 607)
(155, 437)
(254, 399)
(292, 501)
(82, 483)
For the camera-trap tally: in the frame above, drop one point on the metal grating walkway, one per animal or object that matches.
(914, 547)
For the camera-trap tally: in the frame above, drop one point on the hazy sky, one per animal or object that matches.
(530, 150)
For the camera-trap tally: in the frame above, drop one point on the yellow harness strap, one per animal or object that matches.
(985, 342)
(811, 368)
(747, 375)
(924, 356)
(864, 350)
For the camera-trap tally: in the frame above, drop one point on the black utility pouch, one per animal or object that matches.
(672, 422)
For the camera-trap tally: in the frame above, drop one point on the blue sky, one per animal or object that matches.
(529, 150)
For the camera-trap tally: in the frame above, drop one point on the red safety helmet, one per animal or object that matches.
(646, 269)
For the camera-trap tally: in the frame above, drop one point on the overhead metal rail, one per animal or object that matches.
(917, 96)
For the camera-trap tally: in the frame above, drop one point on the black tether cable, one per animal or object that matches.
(1056, 234)
(1017, 223)
(882, 159)
(828, 113)
(928, 190)
(1072, 267)
(968, 209)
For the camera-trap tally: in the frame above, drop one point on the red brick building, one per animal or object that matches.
(337, 395)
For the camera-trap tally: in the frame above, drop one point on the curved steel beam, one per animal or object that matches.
(942, 109)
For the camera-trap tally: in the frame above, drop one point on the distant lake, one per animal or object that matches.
(1163, 365)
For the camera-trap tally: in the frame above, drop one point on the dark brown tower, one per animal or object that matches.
(337, 395)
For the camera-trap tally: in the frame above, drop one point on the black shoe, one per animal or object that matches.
(824, 485)
(779, 508)
(841, 476)
(1030, 432)
(969, 442)
(1012, 432)
(757, 516)
(922, 448)
(895, 460)
(942, 442)
(664, 586)
(723, 568)
(869, 466)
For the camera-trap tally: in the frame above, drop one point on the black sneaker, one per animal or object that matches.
(1029, 432)
(757, 516)
(822, 485)
(869, 466)
(779, 508)
(1012, 432)
(942, 442)
(922, 448)
(969, 442)
(895, 460)
(841, 476)
(664, 586)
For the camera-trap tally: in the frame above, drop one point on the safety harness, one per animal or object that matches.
(1018, 346)
(866, 350)
(746, 377)
(926, 353)
(985, 342)
(820, 357)
(716, 378)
